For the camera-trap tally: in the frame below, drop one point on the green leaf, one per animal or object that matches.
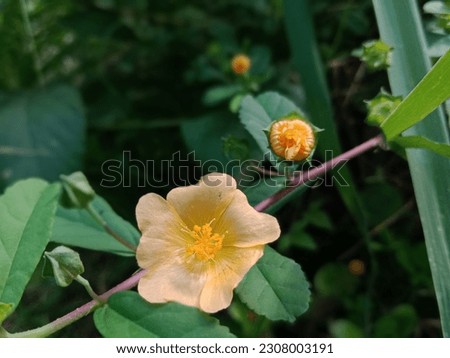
(438, 45)
(423, 143)
(42, 134)
(429, 93)
(381, 201)
(78, 191)
(399, 323)
(335, 280)
(76, 227)
(218, 94)
(27, 212)
(204, 136)
(66, 264)
(5, 310)
(342, 328)
(400, 25)
(436, 8)
(275, 287)
(258, 113)
(127, 315)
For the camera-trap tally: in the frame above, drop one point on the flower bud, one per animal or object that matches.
(240, 64)
(292, 138)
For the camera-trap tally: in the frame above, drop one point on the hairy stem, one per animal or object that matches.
(78, 313)
(314, 173)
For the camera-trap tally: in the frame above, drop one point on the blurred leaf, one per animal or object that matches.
(438, 45)
(298, 237)
(381, 201)
(218, 94)
(342, 328)
(428, 94)
(236, 148)
(204, 136)
(76, 227)
(261, 57)
(399, 323)
(317, 217)
(436, 8)
(419, 142)
(275, 287)
(127, 315)
(334, 280)
(27, 212)
(66, 264)
(41, 134)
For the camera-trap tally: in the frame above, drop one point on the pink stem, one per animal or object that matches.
(316, 172)
(79, 312)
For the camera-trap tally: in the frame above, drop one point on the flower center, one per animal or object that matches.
(292, 139)
(206, 243)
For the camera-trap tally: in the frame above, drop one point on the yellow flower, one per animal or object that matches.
(199, 243)
(240, 64)
(292, 139)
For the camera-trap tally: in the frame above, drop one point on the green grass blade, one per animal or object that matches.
(432, 90)
(416, 141)
(400, 26)
(307, 60)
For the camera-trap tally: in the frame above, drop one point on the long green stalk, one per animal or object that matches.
(400, 26)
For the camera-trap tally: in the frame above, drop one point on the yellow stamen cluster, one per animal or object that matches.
(240, 64)
(206, 243)
(292, 139)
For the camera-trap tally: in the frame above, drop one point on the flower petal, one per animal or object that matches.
(230, 268)
(201, 203)
(172, 282)
(244, 226)
(162, 230)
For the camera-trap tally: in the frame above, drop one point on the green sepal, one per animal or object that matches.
(77, 191)
(380, 107)
(66, 264)
(376, 54)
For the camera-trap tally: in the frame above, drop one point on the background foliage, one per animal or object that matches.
(92, 80)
